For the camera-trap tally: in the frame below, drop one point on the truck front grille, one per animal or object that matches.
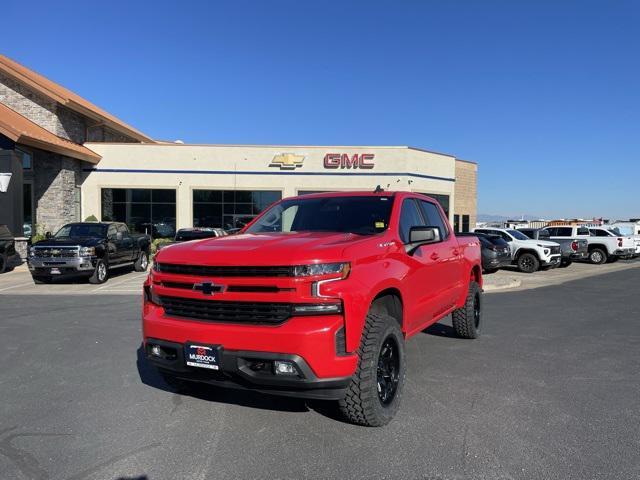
(56, 252)
(224, 311)
(226, 271)
(555, 249)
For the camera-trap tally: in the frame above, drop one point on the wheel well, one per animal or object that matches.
(390, 302)
(475, 274)
(524, 250)
(597, 245)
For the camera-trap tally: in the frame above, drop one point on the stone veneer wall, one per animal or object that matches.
(55, 178)
(466, 191)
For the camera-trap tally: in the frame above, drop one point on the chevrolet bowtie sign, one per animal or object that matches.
(287, 161)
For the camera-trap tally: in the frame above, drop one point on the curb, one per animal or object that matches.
(505, 285)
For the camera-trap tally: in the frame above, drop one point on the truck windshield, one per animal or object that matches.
(81, 230)
(362, 215)
(517, 235)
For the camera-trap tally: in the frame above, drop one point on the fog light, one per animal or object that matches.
(284, 368)
(156, 351)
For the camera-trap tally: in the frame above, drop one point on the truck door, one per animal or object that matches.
(125, 245)
(448, 253)
(424, 289)
(112, 244)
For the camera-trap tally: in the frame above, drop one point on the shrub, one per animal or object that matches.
(158, 241)
(91, 218)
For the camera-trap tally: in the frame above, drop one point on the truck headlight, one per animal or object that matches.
(87, 251)
(341, 269)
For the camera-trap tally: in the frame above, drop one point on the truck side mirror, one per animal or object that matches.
(119, 236)
(419, 236)
(47, 235)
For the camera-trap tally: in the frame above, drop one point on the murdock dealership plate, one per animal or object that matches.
(202, 356)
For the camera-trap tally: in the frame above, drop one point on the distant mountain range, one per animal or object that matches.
(485, 217)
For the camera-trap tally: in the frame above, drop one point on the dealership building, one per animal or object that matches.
(63, 159)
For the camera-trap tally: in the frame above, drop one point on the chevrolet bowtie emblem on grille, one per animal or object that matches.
(287, 161)
(207, 288)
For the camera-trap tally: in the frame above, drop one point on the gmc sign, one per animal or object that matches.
(342, 160)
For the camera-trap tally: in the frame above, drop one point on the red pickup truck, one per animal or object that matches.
(314, 298)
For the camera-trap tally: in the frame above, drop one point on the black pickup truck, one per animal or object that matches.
(88, 249)
(9, 259)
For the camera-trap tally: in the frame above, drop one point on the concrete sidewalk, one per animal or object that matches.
(513, 280)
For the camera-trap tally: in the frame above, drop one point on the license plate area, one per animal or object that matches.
(200, 355)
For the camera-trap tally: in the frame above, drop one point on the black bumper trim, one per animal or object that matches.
(235, 373)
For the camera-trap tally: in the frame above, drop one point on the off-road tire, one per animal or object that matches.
(597, 256)
(41, 280)
(3, 264)
(361, 404)
(467, 321)
(528, 263)
(98, 276)
(142, 262)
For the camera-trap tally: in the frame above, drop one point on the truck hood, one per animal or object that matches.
(69, 242)
(262, 249)
(544, 243)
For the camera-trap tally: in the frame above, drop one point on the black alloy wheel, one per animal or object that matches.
(388, 373)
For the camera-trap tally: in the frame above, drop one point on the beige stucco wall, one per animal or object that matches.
(466, 191)
(189, 167)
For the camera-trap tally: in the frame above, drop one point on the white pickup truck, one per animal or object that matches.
(627, 229)
(604, 244)
(528, 255)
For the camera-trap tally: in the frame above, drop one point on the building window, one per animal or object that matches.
(144, 210)
(465, 223)
(230, 209)
(443, 200)
(456, 223)
(27, 159)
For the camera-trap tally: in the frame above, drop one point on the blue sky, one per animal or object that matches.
(543, 94)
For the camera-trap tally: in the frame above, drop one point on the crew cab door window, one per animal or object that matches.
(111, 233)
(409, 217)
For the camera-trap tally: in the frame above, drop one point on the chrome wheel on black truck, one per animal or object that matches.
(374, 394)
(100, 274)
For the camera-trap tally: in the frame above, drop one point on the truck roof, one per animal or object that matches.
(363, 193)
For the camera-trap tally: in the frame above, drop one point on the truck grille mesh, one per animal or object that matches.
(225, 311)
(218, 271)
(555, 249)
(56, 252)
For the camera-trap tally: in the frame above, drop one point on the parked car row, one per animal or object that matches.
(533, 249)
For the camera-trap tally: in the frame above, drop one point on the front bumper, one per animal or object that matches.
(552, 260)
(237, 371)
(66, 266)
(314, 343)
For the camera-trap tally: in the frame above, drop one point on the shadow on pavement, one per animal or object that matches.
(441, 330)
(246, 398)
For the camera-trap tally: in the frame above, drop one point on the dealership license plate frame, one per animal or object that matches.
(202, 355)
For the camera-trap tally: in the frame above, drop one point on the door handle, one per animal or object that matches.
(434, 256)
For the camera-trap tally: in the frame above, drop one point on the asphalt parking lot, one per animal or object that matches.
(551, 390)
